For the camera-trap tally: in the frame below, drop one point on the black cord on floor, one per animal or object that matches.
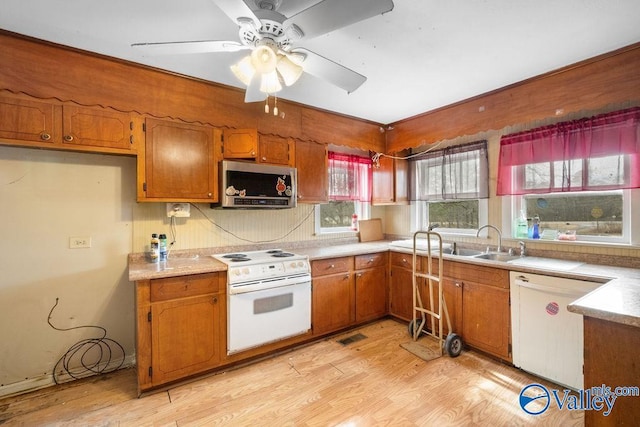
(84, 353)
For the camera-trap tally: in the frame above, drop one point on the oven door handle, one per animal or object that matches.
(261, 285)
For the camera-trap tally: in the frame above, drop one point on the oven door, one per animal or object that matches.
(263, 316)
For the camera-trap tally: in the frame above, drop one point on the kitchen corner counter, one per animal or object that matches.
(141, 269)
(617, 301)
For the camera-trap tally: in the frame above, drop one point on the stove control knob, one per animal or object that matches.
(245, 270)
(236, 272)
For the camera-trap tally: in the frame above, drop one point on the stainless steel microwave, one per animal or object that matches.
(255, 185)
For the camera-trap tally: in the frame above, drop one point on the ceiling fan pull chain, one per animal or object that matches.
(266, 105)
(275, 105)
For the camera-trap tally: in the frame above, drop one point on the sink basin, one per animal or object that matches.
(466, 252)
(495, 256)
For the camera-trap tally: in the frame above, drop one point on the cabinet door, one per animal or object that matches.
(275, 149)
(486, 318)
(27, 120)
(185, 338)
(371, 293)
(333, 302)
(383, 182)
(452, 294)
(401, 293)
(240, 144)
(96, 127)
(401, 181)
(180, 162)
(313, 174)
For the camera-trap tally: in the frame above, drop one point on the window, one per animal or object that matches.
(450, 188)
(350, 179)
(575, 175)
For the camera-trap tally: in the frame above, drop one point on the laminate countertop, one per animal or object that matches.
(617, 300)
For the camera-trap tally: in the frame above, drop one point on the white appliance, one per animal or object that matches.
(547, 339)
(269, 297)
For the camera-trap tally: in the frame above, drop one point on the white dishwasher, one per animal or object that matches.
(547, 339)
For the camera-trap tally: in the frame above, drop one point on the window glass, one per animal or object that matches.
(462, 214)
(587, 214)
(337, 214)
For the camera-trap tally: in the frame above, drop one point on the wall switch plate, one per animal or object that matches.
(179, 210)
(78, 242)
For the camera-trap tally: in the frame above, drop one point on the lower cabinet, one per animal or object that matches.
(347, 291)
(181, 328)
(401, 285)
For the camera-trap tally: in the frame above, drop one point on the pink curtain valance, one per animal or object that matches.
(350, 177)
(616, 133)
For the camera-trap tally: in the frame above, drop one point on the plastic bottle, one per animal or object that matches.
(521, 226)
(154, 253)
(163, 247)
(536, 228)
(354, 222)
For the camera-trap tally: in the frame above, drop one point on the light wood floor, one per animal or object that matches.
(366, 383)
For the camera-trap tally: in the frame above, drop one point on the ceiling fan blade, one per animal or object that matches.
(203, 46)
(329, 15)
(328, 70)
(237, 10)
(253, 93)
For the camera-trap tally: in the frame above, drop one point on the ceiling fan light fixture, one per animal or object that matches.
(270, 83)
(289, 71)
(264, 59)
(244, 70)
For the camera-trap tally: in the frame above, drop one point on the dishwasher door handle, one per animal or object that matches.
(550, 289)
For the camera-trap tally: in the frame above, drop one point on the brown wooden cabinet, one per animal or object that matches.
(333, 295)
(179, 163)
(347, 291)
(371, 286)
(32, 122)
(181, 327)
(401, 285)
(276, 150)
(485, 313)
(240, 144)
(311, 162)
(390, 182)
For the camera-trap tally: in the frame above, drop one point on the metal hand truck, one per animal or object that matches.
(453, 343)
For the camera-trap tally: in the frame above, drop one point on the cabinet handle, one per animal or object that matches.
(370, 260)
(215, 300)
(68, 138)
(253, 153)
(458, 284)
(45, 136)
(332, 266)
(359, 274)
(404, 260)
(210, 194)
(346, 276)
(264, 159)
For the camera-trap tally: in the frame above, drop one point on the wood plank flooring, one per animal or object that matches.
(371, 382)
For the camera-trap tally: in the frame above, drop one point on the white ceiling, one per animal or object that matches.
(422, 55)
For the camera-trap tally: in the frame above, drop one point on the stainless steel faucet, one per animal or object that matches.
(522, 248)
(497, 230)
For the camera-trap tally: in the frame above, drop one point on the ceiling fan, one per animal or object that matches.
(271, 37)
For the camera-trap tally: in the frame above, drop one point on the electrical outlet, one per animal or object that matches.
(78, 242)
(179, 210)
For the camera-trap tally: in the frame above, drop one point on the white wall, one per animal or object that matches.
(45, 198)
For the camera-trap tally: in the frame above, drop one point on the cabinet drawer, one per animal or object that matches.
(403, 260)
(332, 265)
(185, 286)
(477, 273)
(371, 260)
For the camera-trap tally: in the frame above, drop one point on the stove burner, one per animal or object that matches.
(274, 251)
(239, 259)
(282, 254)
(235, 256)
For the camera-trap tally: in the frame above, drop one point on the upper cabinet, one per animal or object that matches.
(179, 162)
(311, 163)
(390, 182)
(240, 144)
(276, 150)
(32, 122)
(249, 145)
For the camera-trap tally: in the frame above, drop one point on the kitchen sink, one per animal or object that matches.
(466, 252)
(497, 256)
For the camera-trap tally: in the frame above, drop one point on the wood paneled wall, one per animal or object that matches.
(589, 85)
(45, 70)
